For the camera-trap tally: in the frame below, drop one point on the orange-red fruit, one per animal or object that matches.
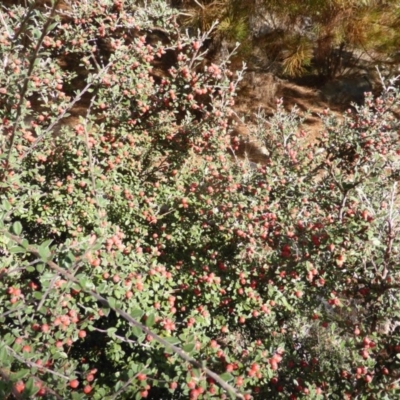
(87, 389)
(82, 334)
(74, 384)
(19, 386)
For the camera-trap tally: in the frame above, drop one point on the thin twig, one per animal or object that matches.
(5, 25)
(25, 21)
(122, 339)
(17, 395)
(68, 108)
(11, 311)
(133, 322)
(89, 150)
(342, 206)
(46, 293)
(202, 39)
(26, 80)
(126, 384)
(34, 365)
(391, 234)
(199, 4)
(50, 390)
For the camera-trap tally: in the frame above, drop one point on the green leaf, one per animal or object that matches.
(40, 268)
(137, 313)
(19, 375)
(76, 396)
(172, 340)
(30, 388)
(17, 228)
(137, 332)
(86, 284)
(112, 302)
(37, 295)
(52, 26)
(6, 205)
(17, 250)
(47, 243)
(67, 261)
(106, 311)
(227, 377)
(44, 253)
(150, 320)
(186, 338)
(196, 372)
(188, 348)
(111, 331)
(4, 357)
(376, 242)
(83, 282)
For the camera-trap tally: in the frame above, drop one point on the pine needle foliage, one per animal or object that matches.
(337, 28)
(297, 56)
(325, 37)
(232, 15)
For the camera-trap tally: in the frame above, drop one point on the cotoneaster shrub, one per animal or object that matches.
(138, 257)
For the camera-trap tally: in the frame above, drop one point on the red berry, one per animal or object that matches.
(41, 392)
(82, 334)
(74, 383)
(368, 378)
(229, 368)
(19, 386)
(142, 377)
(87, 389)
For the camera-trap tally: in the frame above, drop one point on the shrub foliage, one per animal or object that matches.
(139, 259)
